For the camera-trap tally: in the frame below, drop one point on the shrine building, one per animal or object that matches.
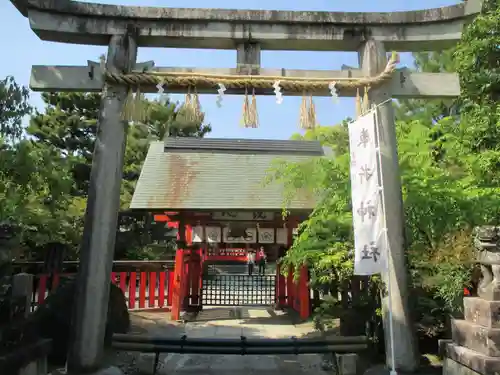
(214, 192)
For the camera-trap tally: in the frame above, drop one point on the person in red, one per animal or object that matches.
(261, 260)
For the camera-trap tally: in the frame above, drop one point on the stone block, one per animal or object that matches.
(347, 363)
(109, 371)
(463, 361)
(22, 286)
(442, 347)
(450, 367)
(327, 362)
(30, 369)
(377, 370)
(146, 363)
(482, 312)
(38, 367)
(490, 291)
(473, 336)
(112, 370)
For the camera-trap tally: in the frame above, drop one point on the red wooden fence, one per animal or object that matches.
(142, 290)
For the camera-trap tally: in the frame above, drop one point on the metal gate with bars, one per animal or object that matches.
(222, 288)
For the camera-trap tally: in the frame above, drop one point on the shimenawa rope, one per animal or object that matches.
(191, 111)
(291, 84)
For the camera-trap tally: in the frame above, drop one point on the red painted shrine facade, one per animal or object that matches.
(212, 191)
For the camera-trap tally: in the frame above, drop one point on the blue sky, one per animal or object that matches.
(22, 49)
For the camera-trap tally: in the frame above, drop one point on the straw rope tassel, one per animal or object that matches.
(303, 113)
(358, 104)
(189, 105)
(254, 116)
(196, 107)
(311, 123)
(139, 107)
(128, 106)
(244, 114)
(366, 101)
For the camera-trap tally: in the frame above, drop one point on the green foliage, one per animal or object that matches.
(478, 58)
(427, 111)
(450, 168)
(33, 180)
(45, 175)
(14, 106)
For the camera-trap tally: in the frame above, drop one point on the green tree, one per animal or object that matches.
(425, 110)
(478, 62)
(69, 123)
(14, 107)
(450, 177)
(33, 180)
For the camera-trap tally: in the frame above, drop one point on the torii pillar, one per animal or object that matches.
(98, 245)
(373, 59)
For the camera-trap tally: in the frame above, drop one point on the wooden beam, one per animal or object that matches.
(404, 85)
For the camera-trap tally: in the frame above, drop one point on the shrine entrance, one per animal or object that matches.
(237, 289)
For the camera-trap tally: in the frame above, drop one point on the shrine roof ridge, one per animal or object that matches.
(244, 146)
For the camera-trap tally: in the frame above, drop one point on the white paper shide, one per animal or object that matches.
(367, 210)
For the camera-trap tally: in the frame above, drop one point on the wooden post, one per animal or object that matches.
(290, 287)
(280, 287)
(178, 285)
(373, 59)
(195, 276)
(185, 236)
(186, 279)
(304, 294)
(99, 233)
(170, 286)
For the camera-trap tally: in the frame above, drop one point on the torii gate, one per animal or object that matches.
(123, 29)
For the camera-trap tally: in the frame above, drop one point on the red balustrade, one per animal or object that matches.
(292, 293)
(153, 287)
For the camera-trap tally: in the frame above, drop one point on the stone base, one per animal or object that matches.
(145, 363)
(460, 360)
(450, 367)
(482, 312)
(443, 347)
(347, 364)
(476, 337)
(112, 370)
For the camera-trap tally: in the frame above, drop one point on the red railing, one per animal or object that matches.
(142, 290)
(145, 285)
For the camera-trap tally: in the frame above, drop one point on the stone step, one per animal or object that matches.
(482, 312)
(476, 337)
(460, 360)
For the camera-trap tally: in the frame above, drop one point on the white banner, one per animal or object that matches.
(367, 210)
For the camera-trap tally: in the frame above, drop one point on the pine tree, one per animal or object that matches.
(69, 123)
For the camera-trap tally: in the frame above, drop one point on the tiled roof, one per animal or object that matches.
(224, 174)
